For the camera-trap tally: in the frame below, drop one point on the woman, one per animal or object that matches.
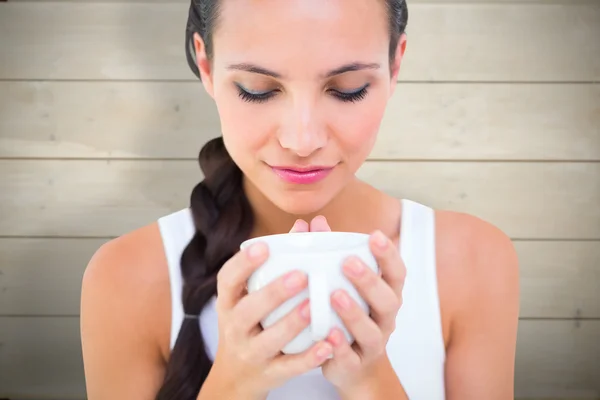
(301, 87)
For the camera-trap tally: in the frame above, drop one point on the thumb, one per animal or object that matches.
(319, 224)
(300, 226)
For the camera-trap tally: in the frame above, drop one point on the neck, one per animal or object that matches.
(357, 208)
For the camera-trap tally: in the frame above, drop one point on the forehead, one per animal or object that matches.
(283, 34)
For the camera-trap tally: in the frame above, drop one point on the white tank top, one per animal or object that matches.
(416, 348)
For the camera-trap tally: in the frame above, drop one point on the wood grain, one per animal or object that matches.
(559, 279)
(558, 359)
(109, 198)
(422, 121)
(42, 276)
(447, 42)
(40, 358)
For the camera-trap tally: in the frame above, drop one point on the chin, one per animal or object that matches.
(301, 203)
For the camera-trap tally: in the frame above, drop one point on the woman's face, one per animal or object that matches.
(300, 85)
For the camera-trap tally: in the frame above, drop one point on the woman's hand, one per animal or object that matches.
(352, 365)
(249, 362)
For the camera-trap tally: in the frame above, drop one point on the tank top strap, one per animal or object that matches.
(417, 236)
(418, 251)
(418, 334)
(176, 230)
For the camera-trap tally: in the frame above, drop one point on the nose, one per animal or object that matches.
(301, 130)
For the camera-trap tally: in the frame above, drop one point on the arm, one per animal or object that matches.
(124, 309)
(483, 329)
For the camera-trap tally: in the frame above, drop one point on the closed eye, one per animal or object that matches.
(254, 97)
(261, 97)
(352, 96)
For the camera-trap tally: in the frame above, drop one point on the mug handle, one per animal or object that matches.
(320, 304)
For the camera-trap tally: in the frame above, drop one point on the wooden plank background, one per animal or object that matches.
(497, 114)
(451, 121)
(109, 197)
(449, 42)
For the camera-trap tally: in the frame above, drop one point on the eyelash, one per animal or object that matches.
(253, 97)
(262, 97)
(352, 96)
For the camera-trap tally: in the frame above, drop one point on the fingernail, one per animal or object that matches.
(324, 350)
(342, 299)
(257, 250)
(305, 311)
(336, 337)
(296, 225)
(380, 239)
(355, 267)
(294, 280)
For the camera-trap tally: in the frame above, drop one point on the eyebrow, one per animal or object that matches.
(351, 67)
(356, 66)
(254, 69)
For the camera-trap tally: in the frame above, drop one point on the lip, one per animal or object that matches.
(303, 175)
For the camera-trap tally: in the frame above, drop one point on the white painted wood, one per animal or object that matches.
(109, 198)
(447, 42)
(422, 121)
(43, 277)
(40, 358)
(559, 279)
(526, 200)
(558, 359)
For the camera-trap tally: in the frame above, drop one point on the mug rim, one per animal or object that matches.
(359, 240)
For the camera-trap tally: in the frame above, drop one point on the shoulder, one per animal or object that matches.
(126, 283)
(477, 269)
(474, 245)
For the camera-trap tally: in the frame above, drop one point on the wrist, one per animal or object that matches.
(359, 390)
(380, 383)
(221, 384)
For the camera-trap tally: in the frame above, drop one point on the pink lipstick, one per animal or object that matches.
(302, 175)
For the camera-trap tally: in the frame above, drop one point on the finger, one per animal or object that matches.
(233, 276)
(319, 224)
(252, 308)
(365, 331)
(300, 226)
(380, 296)
(388, 258)
(291, 365)
(269, 342)
(343, 353)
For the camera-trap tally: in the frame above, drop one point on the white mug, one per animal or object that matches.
(320, 255)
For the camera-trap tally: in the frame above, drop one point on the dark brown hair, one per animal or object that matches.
(222, 216)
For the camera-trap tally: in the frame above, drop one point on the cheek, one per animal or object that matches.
(357, 131)
(244, 130)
